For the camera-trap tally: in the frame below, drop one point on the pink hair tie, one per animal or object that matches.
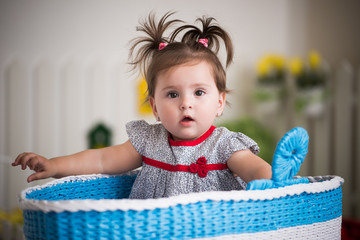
(203, 41)
(162, 46)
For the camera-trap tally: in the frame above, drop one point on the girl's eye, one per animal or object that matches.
(199, 93)
(172, 95)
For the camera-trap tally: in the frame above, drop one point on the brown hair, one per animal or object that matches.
(153, 61)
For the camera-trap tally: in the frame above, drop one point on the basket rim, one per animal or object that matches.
(151, 204)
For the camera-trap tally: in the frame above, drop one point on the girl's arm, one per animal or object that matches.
(109, 160)
(249, 166)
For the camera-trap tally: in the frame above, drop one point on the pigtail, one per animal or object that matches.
(143, 48)
(210, 31)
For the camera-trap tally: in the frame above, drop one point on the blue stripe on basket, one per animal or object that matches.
(113, 187)
(202, 219)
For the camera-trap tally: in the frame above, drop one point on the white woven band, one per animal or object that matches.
(150, 204)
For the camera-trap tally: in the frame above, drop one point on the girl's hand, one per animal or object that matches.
(249, 166)
(42, 166)
(110, 160)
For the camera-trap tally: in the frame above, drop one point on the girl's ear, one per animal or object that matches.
(222, 103)
(153, 107)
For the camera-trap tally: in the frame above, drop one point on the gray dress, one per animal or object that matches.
(173, 167)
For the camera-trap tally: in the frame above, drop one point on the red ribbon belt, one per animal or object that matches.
(200, 167)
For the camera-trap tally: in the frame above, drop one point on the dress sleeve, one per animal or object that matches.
(138, 133)
(235, 141)
(147, 138)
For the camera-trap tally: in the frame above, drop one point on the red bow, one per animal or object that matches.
(199, 167)
(204, 42)
(162, 46)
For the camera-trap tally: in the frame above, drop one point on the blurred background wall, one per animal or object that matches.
(63, 70)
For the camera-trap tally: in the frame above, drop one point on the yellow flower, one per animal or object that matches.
(278, 62)
(3, 215)
(314, 59)
(144, 107)
(263, 68)
(269, 64)
(16, 216)
(296, 66)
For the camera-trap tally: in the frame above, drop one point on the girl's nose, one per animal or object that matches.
(185, 104)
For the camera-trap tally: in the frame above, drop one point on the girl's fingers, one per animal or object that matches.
(37, 176)
(18, 159)
(36, 163)
(23, 159)
(33, 162)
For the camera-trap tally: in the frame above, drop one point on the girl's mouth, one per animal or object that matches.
(187, 120)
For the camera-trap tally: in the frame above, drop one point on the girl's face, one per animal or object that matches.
(187, 100)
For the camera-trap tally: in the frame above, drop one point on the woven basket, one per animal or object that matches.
(283, 207)
(96, 207)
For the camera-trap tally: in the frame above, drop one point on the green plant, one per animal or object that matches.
(259, 133)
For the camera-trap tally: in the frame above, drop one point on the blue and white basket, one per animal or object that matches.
(96, 207)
